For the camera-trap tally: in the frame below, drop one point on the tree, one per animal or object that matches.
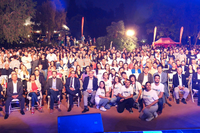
(50, 16)
(116, 34)
(13, 14)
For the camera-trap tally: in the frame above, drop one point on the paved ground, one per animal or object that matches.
(176, 117)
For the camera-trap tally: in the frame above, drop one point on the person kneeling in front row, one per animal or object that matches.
(126, 95)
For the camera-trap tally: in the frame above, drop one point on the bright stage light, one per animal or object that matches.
(130, 32)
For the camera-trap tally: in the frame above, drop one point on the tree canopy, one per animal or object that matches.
(116, 34)
(13, 14)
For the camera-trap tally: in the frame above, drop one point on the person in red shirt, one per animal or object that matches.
(34, 90)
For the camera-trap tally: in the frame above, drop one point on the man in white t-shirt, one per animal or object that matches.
(159, 88)
(51, 56)
(126, 95)
(26, 60)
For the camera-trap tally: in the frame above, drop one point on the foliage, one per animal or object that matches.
(50, 16)
(116, 34)
(13, 14)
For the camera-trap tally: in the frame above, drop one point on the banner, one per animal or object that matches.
(181, 34)
(82, 24)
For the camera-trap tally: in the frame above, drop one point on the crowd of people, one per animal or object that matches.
(101, 78)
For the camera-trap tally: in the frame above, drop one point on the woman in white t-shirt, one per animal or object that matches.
(116, 87)
(150, 99)
(108, 84)
(100, 98)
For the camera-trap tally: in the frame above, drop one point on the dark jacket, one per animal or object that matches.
(86, 82)
(141, 78)
(176, 81)
(9, 90)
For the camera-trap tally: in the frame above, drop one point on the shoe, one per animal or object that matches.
(103, 109)
(69, 109)
(97, 107)
(91, 105)
(155, 114)
(130, 111)
(85, 110)
(32, 112)
(6, 116)
(149, 119)
(159, 112)
(22, 112)
(177, 101)
(51, 111)
(140, 109)
(40, 109)
(183, 101)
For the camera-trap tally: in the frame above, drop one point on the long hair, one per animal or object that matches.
(104, 87)
(119, 80)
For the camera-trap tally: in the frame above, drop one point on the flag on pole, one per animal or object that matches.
(82, 24)
(154, 35)
(181, 34)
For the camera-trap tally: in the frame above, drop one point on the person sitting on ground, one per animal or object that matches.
(137, 91)
(34, 90)
(100, 99)
(116, 87)
(150, 100)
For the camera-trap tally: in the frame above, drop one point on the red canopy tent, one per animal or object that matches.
(165, 42)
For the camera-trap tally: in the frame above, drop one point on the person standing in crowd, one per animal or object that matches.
(150, 100)
(45, 65)
(51, 56)
(72, 87)
(26, 60)
(14, 91)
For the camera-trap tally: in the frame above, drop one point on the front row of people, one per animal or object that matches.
(123, 96)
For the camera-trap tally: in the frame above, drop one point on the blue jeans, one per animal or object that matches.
(53, 97)
(34, 98)
(29, 71)
(104, 102)
(45, 73)
(114, 100)
(160, 105)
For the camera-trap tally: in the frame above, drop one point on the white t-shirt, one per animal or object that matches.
(149, 96)
(27, 61)
(51, 57)
(116, 89)
(137, 88)
(100, 92)
(126, 91)
(158, 89)
(99, 75)
(108, 85)
(145, 79)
